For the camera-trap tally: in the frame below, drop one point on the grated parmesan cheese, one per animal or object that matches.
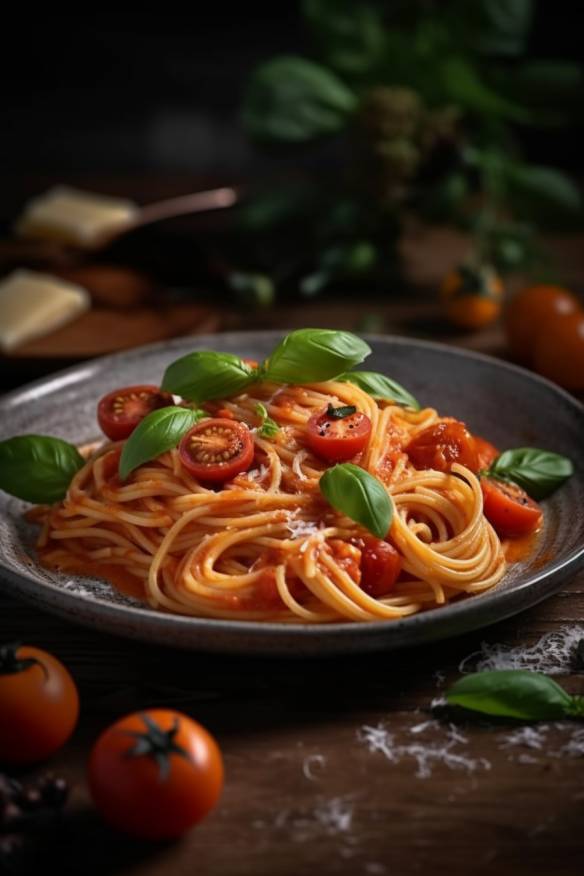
(313, 760)
(551, 655)
(426, 755)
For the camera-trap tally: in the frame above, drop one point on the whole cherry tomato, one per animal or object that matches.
(438, 446)
(154, 774)
(338, 434)
(509, 509)
(471, 296)
(217, 449)
(532, 311)
(559, 351)
(119, 412)
(39, 704)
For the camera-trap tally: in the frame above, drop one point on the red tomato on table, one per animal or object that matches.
(39, 704)
(155, 774)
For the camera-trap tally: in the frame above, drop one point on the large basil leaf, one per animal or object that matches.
(38, 468)
(158, 432)
(381, 387)
(358, 495)
(538, 472)
(312, 355)
(294, 100)
(512, 693)
(205, 375)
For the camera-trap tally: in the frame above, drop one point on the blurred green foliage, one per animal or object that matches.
(425, 98)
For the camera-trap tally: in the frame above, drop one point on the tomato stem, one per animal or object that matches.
(157, 743)
(10, 663)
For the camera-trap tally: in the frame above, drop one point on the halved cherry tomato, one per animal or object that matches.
(217, 449)
(336, 439)
(437, 447)
(119, 412)
(253, 363)
(509, 509)
(39, 704)
(155, 774)
(380, 567)
(486, 452)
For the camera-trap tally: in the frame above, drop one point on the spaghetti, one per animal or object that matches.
(266, 546)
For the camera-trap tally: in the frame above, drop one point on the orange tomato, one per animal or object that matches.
(531, 311)
(472, 296)
(154, 774)
(39, 704)
(559, 351)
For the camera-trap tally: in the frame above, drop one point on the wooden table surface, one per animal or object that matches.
(304, 792)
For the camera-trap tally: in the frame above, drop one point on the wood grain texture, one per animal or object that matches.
(289, 733)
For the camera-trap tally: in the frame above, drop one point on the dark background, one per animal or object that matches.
(160, 90)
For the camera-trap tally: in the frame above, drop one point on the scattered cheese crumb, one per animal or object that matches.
(313, 760)
(427, 755)
(551, 655)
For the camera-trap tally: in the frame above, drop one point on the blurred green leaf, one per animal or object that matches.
(274, 207)
(341, 261)
(496, 27)
(252, 290)
(350, 36)
(291, 99)
(532, 183)
(463, 85)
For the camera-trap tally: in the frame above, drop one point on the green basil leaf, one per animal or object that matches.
(538, 472)
(293, 100)
(511, 693)
(340, 413)
(204, 375)
(268, 427)
(38, 468)
(358, 495)
(158, 432)
(381, 387)
(313, 355)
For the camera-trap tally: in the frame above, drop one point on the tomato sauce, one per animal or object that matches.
(518, 549)
(117, 576)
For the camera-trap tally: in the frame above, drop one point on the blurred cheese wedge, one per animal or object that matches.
(33, 305)
(74, 217)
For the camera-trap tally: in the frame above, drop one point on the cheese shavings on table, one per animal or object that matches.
(34, 304)
(71, 216)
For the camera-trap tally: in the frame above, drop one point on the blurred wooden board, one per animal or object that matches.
(102, 331)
